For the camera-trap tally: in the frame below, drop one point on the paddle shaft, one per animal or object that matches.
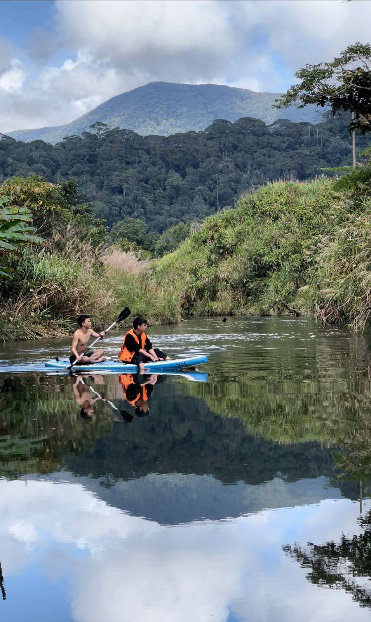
(98, 338)
(103, 398)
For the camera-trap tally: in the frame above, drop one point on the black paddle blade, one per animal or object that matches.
(126, 416)
(124, 314)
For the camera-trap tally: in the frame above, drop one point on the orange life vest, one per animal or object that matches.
(126, 380)
(125, 355)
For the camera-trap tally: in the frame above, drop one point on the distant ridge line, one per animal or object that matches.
(166, 108)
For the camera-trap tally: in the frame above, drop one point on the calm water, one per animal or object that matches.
(240, 496)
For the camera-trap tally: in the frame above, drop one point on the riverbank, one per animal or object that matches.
(289, 248)
(303, 247)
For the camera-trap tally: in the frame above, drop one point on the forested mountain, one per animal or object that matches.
(165, 108)
(183, 177)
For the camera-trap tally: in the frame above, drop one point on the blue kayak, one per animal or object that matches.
(128, 368)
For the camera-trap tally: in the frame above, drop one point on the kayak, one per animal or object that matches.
(128, 368)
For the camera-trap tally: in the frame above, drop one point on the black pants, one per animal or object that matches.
(140, 358)
(73, 358)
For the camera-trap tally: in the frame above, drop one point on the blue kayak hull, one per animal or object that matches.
(121, 368)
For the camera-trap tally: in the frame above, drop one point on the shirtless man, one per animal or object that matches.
(80, 343)
(83, 397)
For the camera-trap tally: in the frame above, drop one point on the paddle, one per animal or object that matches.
(126, 416)
(123, 315)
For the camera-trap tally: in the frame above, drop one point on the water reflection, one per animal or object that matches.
(138, 388)
(336, 565)
(99, 563)
(173, 499)
(84, 396)
(2, 588)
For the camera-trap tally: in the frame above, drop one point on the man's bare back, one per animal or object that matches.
(80, 342)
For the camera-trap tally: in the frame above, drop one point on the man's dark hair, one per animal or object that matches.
(85, 415)
(81, 319)
(138, 321)
(141, 413)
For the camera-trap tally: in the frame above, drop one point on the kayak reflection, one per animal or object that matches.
(137, 389)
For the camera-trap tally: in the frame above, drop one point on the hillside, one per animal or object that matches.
(291, 247)
(184, 177)
(302, 248)
(165, 108)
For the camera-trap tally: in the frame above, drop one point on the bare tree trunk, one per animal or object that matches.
(354, 143)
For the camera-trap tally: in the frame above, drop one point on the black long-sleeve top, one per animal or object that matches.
(133, 346)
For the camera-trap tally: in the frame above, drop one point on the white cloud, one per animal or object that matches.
(309, 31)
(12, 79)
(57, 95)
(116, 46)
(163, 40)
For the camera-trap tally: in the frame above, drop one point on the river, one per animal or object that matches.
(237, 493)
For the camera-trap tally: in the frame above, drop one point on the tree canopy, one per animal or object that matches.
(184, 177)
(343, 84)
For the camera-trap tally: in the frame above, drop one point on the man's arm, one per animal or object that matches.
(94, 334)
(75, 341)
(149, 349)
(133, 346)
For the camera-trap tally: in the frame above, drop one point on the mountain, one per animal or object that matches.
(165, 108)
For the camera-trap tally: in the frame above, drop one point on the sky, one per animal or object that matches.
(60, 59)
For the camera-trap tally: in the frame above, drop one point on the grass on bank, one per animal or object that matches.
(294, 247)
(289, 247)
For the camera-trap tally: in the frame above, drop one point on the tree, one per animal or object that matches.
(343, 84)
(54, 207)
(131, 230)
(166, 180)
(15, 229)
(171, 238)
(100, 129)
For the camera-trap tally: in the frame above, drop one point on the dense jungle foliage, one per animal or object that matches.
(162, 181)
(290, 247)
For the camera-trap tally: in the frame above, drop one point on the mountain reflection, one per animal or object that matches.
(184, 461)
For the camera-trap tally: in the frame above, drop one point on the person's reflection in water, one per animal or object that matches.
(2, 588)
(84, 397)
(138, 389)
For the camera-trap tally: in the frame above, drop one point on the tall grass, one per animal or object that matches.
(49, 290)
(290, 247)
(134, 285)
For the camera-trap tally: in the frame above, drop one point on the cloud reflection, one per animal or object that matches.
(122, 567)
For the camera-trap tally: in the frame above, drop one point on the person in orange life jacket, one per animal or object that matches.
(136, 347)
(137, 391)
